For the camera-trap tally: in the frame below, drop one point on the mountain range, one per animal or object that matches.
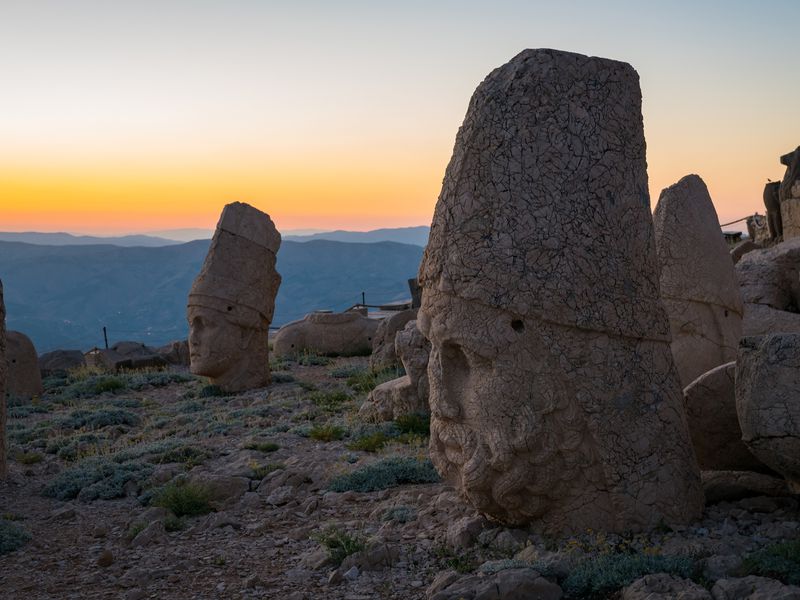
(62, 296)
(417, 236)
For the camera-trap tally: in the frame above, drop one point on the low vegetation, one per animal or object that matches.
(779, 561)
(338, 543)
(12, 536)
(384, 474)
(184, 499)
(327, 433)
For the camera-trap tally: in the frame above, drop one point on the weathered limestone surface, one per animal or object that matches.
(769, 281)
(60, 361)
(554, 397)
(383, 352)
(407, 394)
(661, 586)
(333, 334)
(742, 248)
(730, 486)
(232, 301)
(3, 385)
(713, 423)
(24, 379)
(175, 353)
(767, 401)
(698, 281)
(790, 215)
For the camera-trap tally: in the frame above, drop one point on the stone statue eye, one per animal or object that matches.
(517, 325)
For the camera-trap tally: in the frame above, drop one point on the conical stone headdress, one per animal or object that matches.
(238, 277)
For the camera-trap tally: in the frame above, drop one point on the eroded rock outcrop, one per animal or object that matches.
(332, 334)
(24, 379)
(383, 352)
(407, 394)
(554, 396)
(789, 195)
(698, 282)
(232, 301)
(60, 361)
(769, 282)
(713, 423)
(767, 384)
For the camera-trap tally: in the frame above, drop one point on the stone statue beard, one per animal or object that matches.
(496, 473)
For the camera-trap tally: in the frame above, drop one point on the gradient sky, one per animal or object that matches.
(120, 117)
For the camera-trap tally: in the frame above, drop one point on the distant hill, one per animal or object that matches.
(67, 239)
(62, 296)
(417, 236)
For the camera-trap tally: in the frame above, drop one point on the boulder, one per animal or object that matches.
(768, 402)
(742, 248)
(698, 281)
(790, 214)
(554, 397)
(60, 361)
(769, 281)
(714, 425)
(175, 353)
(662, 586)
(232, 301)
(407, 394)
(509, 584)
(754, 588)
(24, 378)
(730, 486)
(330, 334)
(383, 352)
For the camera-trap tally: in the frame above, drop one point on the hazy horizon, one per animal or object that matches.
(119, 118)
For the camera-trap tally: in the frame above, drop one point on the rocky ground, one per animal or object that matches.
(152, 485)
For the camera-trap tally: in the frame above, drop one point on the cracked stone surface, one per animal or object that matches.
(408, 394)
(554, 397)
(767, 384)
(383, 351)
(334, 334)
(713, 423)
(232, 301)
(23, 377)
(769, 281)
(698, 281)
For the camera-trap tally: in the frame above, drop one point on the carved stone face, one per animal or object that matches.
(214, 342)
(492, 395)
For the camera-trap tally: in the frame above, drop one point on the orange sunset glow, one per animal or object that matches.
(344, 118)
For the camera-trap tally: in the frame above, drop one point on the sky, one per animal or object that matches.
(121, 117)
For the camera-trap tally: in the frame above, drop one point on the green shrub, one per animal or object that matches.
(134, 530)
(96, 477)
(367, 380)
(600, 576)
(414, 424)
(339, 544)
(400, 514)
(28, 458)
(385, 474)
(20, 412)
(139, 380)
(261, 471)
(779, 561)
(262, 446)
(12, 536)
(369, 443)
(326, 433)
(211, 391)
(173, 523)
(184, 500)
(346, 371)
(91, 385)
(329, 401)
(96, 419)
(282, 378)
(310, 359)
(189, 455)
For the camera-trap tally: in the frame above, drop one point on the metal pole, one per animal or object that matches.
(105, 336)
(363, 299)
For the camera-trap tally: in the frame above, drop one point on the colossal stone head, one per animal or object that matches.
(553, 394)
(698, 280)
(232, 300)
